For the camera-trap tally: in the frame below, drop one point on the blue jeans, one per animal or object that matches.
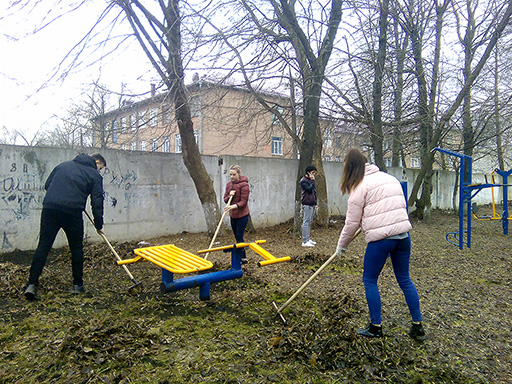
(375, 257)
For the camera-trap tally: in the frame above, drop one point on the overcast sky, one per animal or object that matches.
(32, 90)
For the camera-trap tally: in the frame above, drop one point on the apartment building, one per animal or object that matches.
(228, 120)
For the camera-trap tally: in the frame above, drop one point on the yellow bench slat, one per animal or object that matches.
(173, 259)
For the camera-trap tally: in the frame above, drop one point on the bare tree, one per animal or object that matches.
(159, 35)
(431, 133)
(288, 38)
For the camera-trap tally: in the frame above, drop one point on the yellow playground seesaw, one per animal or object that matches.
(173, 260)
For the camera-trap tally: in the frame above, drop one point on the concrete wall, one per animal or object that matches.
(150, 194)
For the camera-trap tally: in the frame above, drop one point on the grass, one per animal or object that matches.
(110, 336)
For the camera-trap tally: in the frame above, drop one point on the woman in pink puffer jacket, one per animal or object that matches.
(377, 205)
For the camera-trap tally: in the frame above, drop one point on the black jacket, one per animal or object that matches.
(308, 193)
(69, 185)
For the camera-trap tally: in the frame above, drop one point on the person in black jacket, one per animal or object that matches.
(67, 189)
(308, 200)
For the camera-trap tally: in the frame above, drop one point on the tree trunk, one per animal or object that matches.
(425, 125)
(191, 156)
(310, 154)
(497, 119)
(165, 56)
(445, 118)
(467, 124)
(377, 136)
(397, 147)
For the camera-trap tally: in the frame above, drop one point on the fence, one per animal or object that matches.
(150, 194)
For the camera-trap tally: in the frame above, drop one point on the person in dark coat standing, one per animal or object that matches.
(238, 209)
(308, 200)
(67, 189)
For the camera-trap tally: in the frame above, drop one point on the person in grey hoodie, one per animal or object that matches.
(67, 189)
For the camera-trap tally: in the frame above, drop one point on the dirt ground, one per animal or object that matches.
(110, 336)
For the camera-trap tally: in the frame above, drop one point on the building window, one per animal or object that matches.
(177, 144)
(166, 111)
(153, 117)
(177, 141)
(123, 147)
(143, 145)
(133, 146)
(415, 162)
(275, 118)
(277, 146)
(195, 106)
(143, 118)
(328, 139)
(166, 145)
(123, 124)
(133, 122)
(387, 161)
(337, 159)
(115, 132)
(154, 145)
(327, 158)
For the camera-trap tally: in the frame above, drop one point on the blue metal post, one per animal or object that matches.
(464, 196)
(504, 219)
(467, 197)
(404, 188)
(204, 291)
(203, 281)
(504, 180)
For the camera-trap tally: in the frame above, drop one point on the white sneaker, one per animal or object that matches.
(312, 242)
(308, 244)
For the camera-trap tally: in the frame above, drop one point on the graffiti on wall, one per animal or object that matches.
(123, 181)
(21, 191)
(120, 180)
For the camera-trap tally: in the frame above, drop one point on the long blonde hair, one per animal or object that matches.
(353, 171)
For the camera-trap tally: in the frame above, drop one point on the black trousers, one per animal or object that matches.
(238, 226)
(52, 220)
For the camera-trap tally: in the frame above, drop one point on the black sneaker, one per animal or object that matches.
(243, 260)
(30, 292)
(370, 331)
(78, 289)
(417, 332)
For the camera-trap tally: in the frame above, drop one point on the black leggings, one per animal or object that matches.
(52, 220)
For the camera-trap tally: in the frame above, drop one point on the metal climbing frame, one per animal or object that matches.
(467, 191)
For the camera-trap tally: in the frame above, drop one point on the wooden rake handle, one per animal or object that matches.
(303, 286)
(111, 248)
(218, 227)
